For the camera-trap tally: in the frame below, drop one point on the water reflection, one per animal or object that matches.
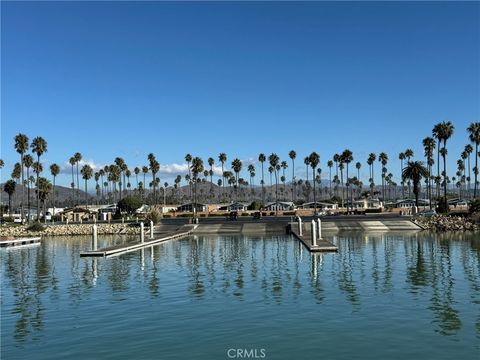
(439, 273)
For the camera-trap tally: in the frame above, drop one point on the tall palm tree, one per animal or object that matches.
(9, 188)
(274, 160)
(121, 165)
(251, 172)
(145, 171)
(78, 157)
(236, 167)
(54, 170)
(409, 154)
(446, 130)
(347, 158)
(44, 187)
(468, 151)
(21, 146)
(37, 169)
(210, 163)
(474, 136)
(330, 165)
(188, 159)
(28, 162)
(16, 175)
(371, 161)
(284, 167)
(436, 133)
(415, 171)
(313, 160)
(293, 155)
(383, 158)
(402, 157)
(39, 147)
(154, 168)
(128, 173)
(262, 158)
(222, 157)
(136, 171)
(429, 148)
(196, 168)
(87, 173)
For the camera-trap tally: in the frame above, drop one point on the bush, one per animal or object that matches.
(154, 215)
(254, 206)
(36, 227)
(441, 208)
(474, 206)
(129, 204)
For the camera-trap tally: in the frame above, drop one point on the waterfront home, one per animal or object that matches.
(235, 206)
(280, 206)
(457, 203)
(409, 203)
(319, 205)
(363, 204)
(77, 214)
(190, 206)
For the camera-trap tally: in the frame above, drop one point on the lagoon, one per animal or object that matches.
(392, 295)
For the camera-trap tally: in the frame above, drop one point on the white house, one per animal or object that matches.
(280, 206)
(320, 205)
(190, 206)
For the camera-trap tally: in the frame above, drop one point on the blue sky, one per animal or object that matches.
(126, 79)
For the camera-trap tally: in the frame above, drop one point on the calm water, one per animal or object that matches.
(380, 297)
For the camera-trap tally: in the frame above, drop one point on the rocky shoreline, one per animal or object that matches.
(67, 230)
(445, 223)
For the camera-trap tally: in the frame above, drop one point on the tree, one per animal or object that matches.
(44, 188)
(9, 188)
(468, 151)
(274, 160)
(87, 173)
(21, 146)
(347, 158)
(293, 155)
(145, 171)
(262, 159)
(136, 171)
(415, 171)
(121, 165)
(188, 159)
(429, 148)
(313, 160)
(474, 136)
(330, 165)
(402, 157)
(222, 157)
(54, 170)
(77, 158)
(154, 168)
(39, 147)
(196, 168)
(383, 158)
(210, 163)
(236, 167)
(129, 204)
(371, 161)
(445, 131)
(72, 163)
(28, 162)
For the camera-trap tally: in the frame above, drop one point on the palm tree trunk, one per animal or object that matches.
(38, 193)
(23, 189)
(86, 194)
(28, 191)
(53, 199)
(445, 178)
(476, 171)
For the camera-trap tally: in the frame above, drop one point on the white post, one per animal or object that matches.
(300, 226)
(314, 233)
(319, 222)
(94, 237)
(142, 235)
(123, 220)
(151, 229)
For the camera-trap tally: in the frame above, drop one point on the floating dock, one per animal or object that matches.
(306, 238)
(19, 241)
(185, 230)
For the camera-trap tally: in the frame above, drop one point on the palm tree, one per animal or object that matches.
(188, 159)
(28, 162)
(436, 135)
(136, 171)
(37, 169)
(78, 157)
(402, 157)
(445, 132)
(415, 171)
(128, 173)
(197, 168)
(87, 173)
(251, 171)
(39, 147)
(429, 147)
(222, 157)
(210, 163)
(145, 171)
(313, 160)
(284, 166)
(44, 187)
(409, 154)
(468, 150)
(236, 167)
(383, 158)
(21, 146)
(330, 165)
(262, 158)
(121, 165)
(474, 136)
(54, 170)
(154, 168)
(347, 158)
(371, 161)
(274, 160)
(9, 188)
(293, 155)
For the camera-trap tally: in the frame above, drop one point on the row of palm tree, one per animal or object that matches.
(119, 174)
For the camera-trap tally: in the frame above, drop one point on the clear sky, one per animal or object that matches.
(129, 78)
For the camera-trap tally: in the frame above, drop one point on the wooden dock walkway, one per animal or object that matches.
(306, 239)
(19, 241)
(159, 237)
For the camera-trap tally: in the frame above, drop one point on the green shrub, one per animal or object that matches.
(8, 219)
(36, 227)
(441, 208)
(154, 215)
(254, 206)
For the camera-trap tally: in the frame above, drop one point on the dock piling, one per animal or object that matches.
(94, 237)
(314, 233)
(319, 222)
(300, 226)
(142, 235)
(151, 229)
